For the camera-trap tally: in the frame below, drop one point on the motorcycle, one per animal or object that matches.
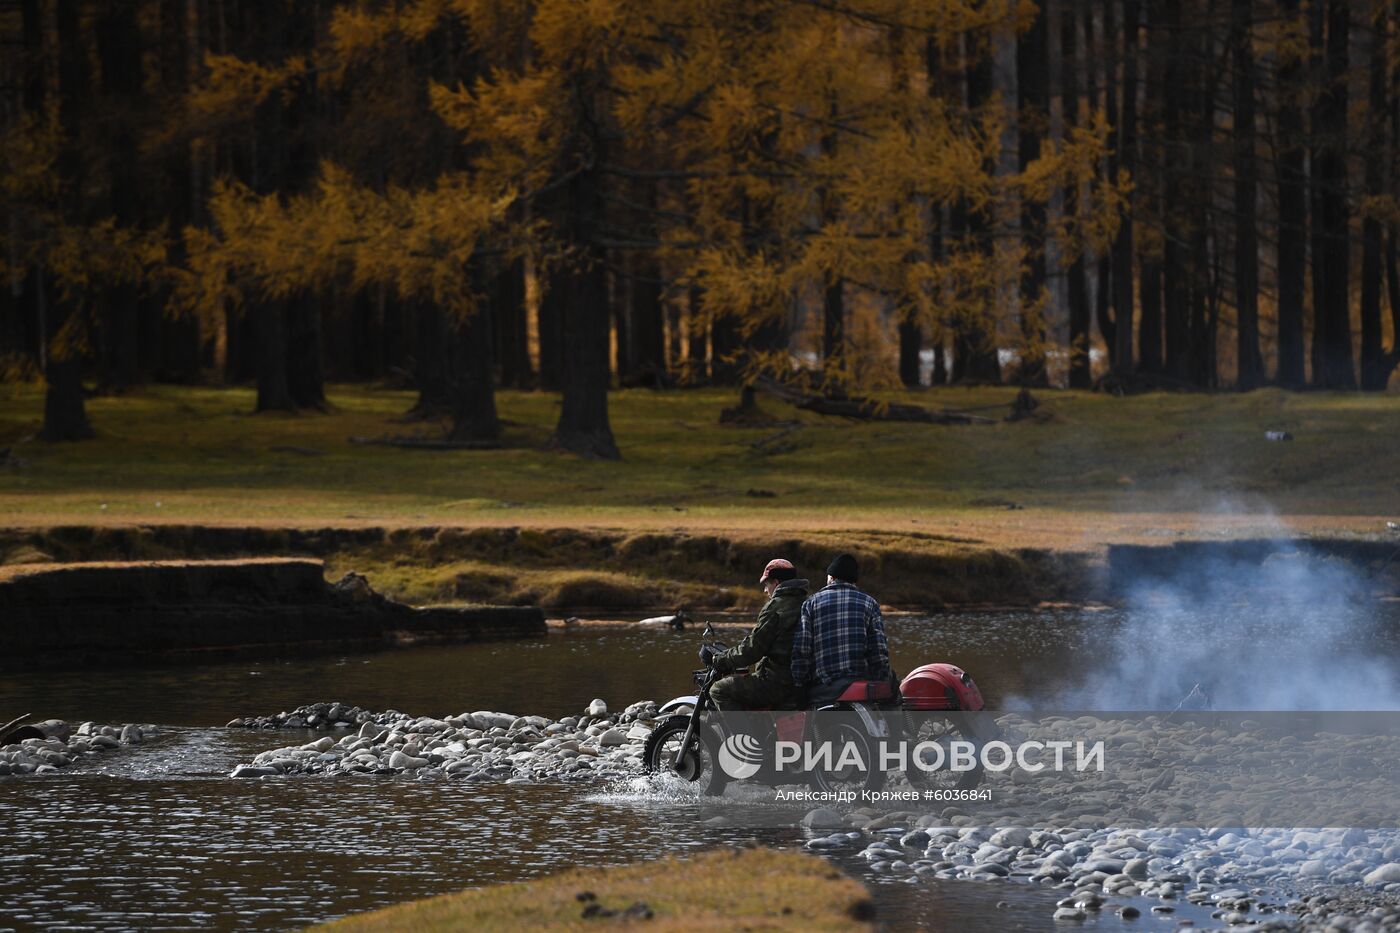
(689, 742)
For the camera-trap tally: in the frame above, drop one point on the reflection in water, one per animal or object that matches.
(1008, 653)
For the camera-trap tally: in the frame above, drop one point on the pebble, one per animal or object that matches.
(1386, 874)
(823, 818)
(65, 746)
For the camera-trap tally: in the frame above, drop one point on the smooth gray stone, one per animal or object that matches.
(246, 771)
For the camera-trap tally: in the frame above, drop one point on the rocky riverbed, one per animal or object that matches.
(1309, 879)
(1246, 876)
(479, 746)
(64, 745)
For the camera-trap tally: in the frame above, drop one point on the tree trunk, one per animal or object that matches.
(470, 379)
(1203, 290)
(270, 335)
(510, 326)
(1032, 93)
(430, 364)
(833, 320)
(673, 336)
(724, 351)
(65, 417)
(697, 329)
(65, 414)
(1152, 161)
(911, 345)
(974, 342)
(1332, 350)
(619, 309)
(1292, 250)
(551, 329)
(1251, 365)
(1176, 272)
(1006, 219)
(177, 351)
(583, 426)
(118, 36)
(1057, 300)
(1375, 364)
(1103, 298)
(1392, 280)
(1075, 57)
(648, 330)
(1105, 41)
(1123, 245)
(306, 384)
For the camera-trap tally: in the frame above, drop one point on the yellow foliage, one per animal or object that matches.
(233, 87)
(789, 145)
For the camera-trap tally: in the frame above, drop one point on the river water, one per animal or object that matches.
(157, 836)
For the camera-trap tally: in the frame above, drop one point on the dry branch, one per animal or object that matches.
(864, 409)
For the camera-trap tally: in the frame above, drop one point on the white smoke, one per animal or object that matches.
(1299, 631)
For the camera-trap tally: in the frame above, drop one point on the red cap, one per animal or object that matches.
(776, 563)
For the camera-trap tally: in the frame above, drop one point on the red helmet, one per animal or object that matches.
(776, 563)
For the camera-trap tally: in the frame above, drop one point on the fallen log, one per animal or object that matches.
(864, 409)
(12, 731)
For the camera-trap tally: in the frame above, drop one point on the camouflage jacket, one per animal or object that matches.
(769, 644)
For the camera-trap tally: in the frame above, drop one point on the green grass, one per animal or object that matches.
(1089, 467)
(713, 891)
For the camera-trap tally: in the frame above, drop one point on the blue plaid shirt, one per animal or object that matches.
(840, 636)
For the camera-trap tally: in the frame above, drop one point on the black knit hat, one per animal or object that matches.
(844, 568)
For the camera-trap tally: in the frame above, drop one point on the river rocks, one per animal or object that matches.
(330, 715)
(476, 746)
(1011, 836)
(1239, 875)
(1386, 874)
(248, 771)
(597, 709)
(613, 738)
(823, 818)
(400, 761)
(63, 746)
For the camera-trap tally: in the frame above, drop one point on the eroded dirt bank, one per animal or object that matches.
(566, 570)
(581, 570)
(112, 613)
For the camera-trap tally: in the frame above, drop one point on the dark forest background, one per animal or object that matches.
(573, 195)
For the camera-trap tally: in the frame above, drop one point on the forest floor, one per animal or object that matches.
(1084, 471)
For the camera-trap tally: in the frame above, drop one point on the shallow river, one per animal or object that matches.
(157, 837)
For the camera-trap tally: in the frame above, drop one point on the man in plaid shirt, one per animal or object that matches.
(840, 636)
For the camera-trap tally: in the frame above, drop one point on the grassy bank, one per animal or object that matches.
(170, 454)
(999, 512)
(713, 891)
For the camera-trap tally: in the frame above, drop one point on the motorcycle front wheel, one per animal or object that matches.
(696, 766)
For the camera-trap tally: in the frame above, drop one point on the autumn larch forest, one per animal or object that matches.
(570, 195)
